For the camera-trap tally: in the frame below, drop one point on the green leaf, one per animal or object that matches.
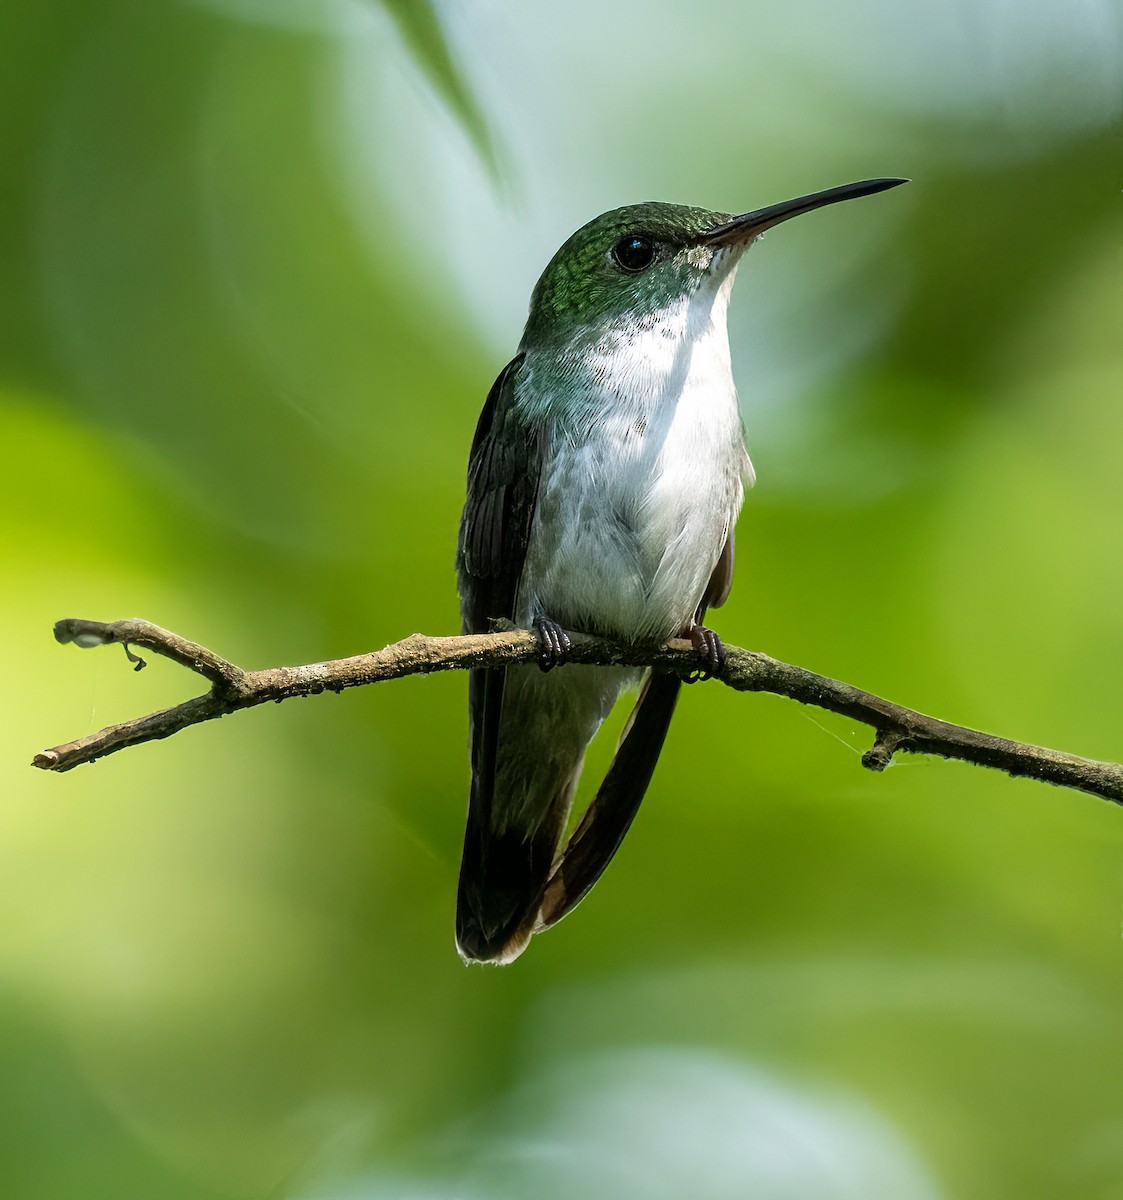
(419, 26)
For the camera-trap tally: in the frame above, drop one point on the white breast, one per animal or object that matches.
(645, 478)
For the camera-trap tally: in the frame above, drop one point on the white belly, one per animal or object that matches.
(642, 487)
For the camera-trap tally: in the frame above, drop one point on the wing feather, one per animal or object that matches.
(502, 869)
(609, 817)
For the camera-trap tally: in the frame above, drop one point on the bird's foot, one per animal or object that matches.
(553, 643)
(707, 645)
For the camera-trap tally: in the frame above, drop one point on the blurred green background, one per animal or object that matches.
(261, 261)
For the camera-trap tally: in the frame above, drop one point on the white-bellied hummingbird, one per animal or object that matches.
(604, 482)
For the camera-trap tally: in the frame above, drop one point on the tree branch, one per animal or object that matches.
(898, 729)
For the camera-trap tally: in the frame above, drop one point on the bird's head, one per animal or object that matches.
(628, 265)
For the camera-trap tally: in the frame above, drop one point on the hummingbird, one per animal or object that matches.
(605, 478)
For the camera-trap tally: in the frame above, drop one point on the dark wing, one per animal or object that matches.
(717, 590)
(500, 873)
(608, 818)
(502, 488)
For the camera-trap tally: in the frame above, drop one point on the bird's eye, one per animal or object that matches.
(634, 253)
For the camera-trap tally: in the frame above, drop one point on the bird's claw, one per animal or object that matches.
(708, 646)
(553, 643)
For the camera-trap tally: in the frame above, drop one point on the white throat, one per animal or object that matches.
(645, 478)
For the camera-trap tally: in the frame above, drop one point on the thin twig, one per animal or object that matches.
(898, 729)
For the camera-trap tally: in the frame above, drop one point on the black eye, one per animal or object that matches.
(634, 253)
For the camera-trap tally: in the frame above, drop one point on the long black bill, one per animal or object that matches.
(750, 224)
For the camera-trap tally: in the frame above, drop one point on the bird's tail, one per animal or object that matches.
(529, 734)
(608, 818)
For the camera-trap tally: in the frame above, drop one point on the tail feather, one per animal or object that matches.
(609, 817)
(517, 810)
(497, 900)
(513, 881)
(501, 876)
